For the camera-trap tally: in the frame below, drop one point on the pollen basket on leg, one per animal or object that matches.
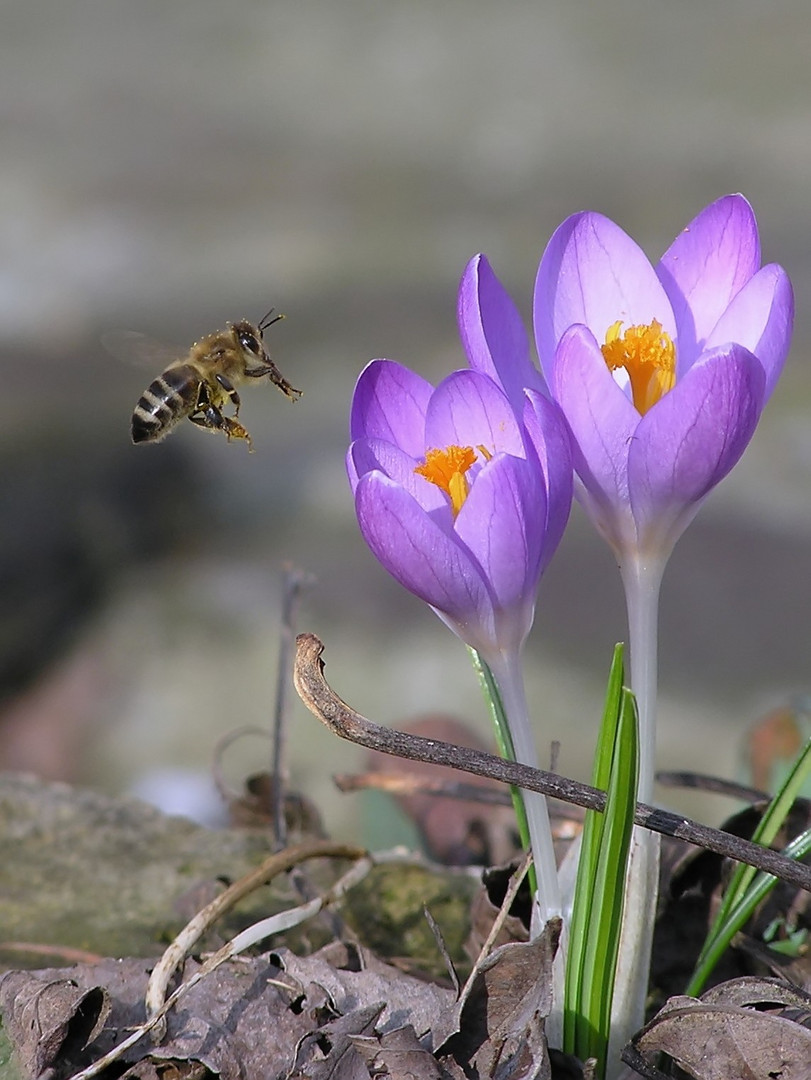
(648, 354)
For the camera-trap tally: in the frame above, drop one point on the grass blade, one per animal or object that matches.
(600, 891)
(736, 897)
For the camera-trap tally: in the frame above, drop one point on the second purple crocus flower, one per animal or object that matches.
(462, 492)
(462, 500)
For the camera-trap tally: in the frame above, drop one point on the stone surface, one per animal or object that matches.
(115, 877)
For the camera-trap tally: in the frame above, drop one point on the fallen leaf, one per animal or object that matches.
(398, 1054)
(498, 1028)
(727, 1034)
(50, 1018)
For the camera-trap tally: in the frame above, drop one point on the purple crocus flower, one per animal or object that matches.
(461, 497)
(662, 372)
(462, 492)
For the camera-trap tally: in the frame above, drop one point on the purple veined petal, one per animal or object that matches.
(420, 555)
(370, 455)
(690, 440)
(601, 419)
(592, 273)
(502, 524)
(469, 409)
(760, 318)
(389, 403)
(706, 266)
(549, 435)
(492, 333)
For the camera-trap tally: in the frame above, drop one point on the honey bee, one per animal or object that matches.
(200, 384)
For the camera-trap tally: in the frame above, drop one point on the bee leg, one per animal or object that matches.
(207, 415)
(213, 420)
(235, 430)
(276, 378)
(228, 387)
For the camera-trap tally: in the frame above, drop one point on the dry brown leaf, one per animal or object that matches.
(407, 999)
(398, 1054)
(485, 907)
(247, 1018)
(727, 1034)
(50, 1017)
(498, 1029)
(329, 1052)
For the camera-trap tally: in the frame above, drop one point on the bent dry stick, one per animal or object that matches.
(345, 722)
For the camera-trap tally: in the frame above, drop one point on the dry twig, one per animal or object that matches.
(509, 896)
(294, 581)
(185, 941)
(343, 721)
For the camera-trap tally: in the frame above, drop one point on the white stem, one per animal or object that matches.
(507, 672)
(641, 579)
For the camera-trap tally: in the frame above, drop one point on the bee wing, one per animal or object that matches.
(140, 349)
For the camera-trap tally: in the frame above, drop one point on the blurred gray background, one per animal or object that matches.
(168, 167)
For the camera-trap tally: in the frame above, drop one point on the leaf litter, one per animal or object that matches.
(343, 1013)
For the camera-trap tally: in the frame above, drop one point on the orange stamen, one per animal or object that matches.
(446, 468)
(648, 355)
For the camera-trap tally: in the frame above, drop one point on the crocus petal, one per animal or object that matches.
(601, 418)
(389, 403)
(469, 409)
(690, 440)
(593, 273)
(706, 266)
(492, 332)
(760, 318)
(369, 455)
(419, 554)
(502, 525)
(549, 435)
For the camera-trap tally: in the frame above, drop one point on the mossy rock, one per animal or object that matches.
(388, 914)
(115, 877)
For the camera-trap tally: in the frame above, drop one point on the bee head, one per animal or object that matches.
(249, 338)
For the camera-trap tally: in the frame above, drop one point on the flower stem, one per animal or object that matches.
(504, 743)
(509, 682)
(642, 579)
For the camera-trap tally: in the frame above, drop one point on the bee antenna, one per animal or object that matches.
(266, 320)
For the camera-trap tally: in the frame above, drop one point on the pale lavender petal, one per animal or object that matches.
(549, 435)
(601, 419)
(356, 463)
(493, 334)
(369, 455)
(418, 553)
(502, 524)
(389, 403)
(689, 440)
(469, 409)
(706, 266)
(594, 274)
(760, 318)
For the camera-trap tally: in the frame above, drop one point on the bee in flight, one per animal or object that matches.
(202, 383)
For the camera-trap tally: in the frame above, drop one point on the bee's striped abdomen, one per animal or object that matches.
(166, 400)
